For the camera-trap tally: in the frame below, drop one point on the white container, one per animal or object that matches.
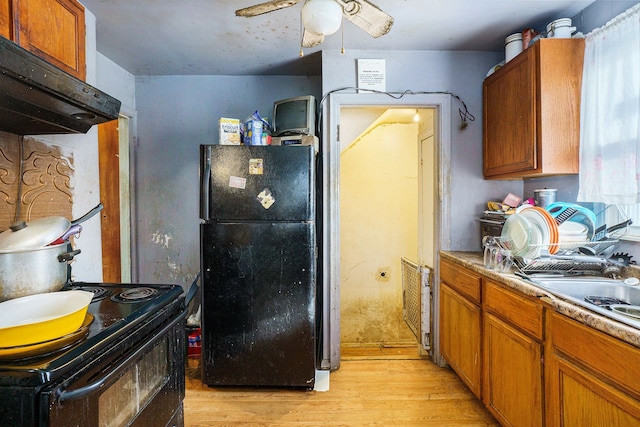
(560, 29)
(512, 46)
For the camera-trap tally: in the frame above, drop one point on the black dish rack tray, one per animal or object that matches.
(563, 263)
(551, 266)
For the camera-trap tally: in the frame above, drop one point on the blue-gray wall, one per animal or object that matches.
(461, 73)
(176, 115)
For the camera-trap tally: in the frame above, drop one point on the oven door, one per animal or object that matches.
(142, 387)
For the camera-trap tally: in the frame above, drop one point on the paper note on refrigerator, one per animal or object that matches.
(266, 198)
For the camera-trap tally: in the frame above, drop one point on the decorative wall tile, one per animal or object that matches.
(45, 187)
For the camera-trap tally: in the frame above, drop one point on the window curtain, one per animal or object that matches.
(610, 113)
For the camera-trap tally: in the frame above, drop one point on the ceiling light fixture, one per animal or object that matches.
(416, 117)
(322, 16)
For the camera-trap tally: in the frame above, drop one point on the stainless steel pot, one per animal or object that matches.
(34, 271)
(30, 263)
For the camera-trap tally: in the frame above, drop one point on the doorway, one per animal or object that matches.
(441, 106)
(381, 209)
(115, 183)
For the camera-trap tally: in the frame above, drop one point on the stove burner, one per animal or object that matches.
(604, 302)
(135, 295)
(99, 293)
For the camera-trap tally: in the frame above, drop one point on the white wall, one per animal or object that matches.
(117, 82)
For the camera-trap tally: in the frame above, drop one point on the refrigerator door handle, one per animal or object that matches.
(205, 180)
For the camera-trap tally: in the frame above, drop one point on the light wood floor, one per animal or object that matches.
(382, 387)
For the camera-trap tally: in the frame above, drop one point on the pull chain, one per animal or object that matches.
(301, 36)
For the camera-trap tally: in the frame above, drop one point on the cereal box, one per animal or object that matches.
(229, 131)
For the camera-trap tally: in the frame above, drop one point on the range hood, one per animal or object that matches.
(38, 98)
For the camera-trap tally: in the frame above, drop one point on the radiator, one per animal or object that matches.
(416, 299)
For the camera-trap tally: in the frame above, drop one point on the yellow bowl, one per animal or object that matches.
(42, 317)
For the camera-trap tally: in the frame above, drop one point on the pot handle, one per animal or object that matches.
(68, 256)
(88, 215)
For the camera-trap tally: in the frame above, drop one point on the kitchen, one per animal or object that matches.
(171, 124)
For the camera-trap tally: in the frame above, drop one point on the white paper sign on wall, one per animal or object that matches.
(372, 74)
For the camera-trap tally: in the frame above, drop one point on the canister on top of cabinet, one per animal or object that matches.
(560, 29)
(512, 46)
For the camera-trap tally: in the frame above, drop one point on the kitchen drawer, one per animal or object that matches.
(600, 354)
(519, 310)
(461, 279)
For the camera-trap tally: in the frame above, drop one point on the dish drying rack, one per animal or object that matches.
(584, 257)
(570, 259)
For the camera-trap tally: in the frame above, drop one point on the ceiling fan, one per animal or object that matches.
(323, 17)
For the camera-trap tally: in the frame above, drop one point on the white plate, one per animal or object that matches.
(539, 223)
(571, 228)
(571, 232)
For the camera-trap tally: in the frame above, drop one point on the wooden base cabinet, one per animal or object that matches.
(513, 375)
(530, 365)
(512, 355)
(579, 399)
(460, 323)
(460, 332)
(592, 378)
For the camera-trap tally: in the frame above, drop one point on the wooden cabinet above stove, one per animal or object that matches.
(532, 112)
(52, 29)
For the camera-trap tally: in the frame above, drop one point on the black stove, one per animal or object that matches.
(135, 339)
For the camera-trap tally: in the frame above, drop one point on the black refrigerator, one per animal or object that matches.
(258, 260)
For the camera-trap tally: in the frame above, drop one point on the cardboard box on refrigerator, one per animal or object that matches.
(229, 131)
(253, 132)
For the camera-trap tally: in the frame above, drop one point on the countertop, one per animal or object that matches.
(475, 262)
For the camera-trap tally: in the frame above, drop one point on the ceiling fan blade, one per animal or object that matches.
(367, 16)
(310, 39)
(266, 7)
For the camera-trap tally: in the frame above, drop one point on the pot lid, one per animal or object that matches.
(33, 234)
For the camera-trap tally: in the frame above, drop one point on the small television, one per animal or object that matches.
(294, 116)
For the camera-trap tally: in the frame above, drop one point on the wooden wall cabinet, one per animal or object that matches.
(54, 30)
(460, 323)
(512, 356)
(531, 112)
(592, 378)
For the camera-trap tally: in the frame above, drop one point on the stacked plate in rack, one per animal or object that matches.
(571, 231)
(577, 223)
(529, 230)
